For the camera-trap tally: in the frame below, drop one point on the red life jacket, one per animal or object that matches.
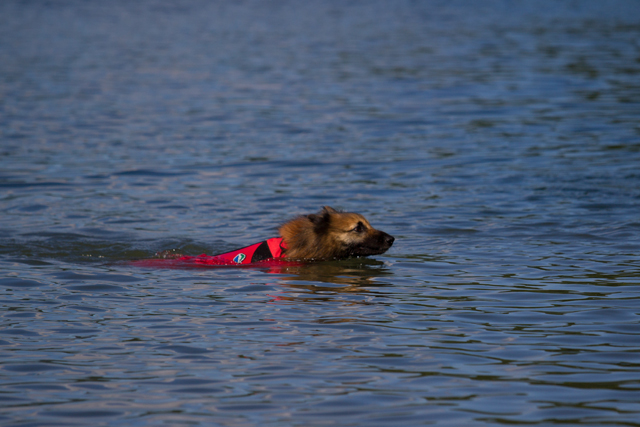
(268, 253)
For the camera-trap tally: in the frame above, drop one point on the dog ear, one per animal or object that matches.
(317, 219)
(321, 219)
(329, 209)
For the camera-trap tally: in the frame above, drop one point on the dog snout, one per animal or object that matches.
(389, 239)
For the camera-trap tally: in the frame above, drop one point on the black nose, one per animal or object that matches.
(389, 239)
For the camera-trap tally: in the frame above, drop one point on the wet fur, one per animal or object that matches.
(331, 234)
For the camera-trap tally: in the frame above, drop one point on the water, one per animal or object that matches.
(499, 142)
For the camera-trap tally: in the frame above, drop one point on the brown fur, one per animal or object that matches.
(332, 234)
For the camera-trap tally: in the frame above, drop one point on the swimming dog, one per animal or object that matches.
(328, 234)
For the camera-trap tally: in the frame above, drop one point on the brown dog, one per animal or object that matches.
(332, 234)
(328, 234)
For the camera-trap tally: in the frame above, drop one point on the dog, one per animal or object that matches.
(331, 234)
(328, 234)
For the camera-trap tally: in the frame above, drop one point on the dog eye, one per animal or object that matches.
(359, 228)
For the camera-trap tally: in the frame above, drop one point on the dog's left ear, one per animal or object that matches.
(321, 219)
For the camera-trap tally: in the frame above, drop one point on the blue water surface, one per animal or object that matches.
(499, 142)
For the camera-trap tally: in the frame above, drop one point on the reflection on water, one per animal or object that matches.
(354, 273)
(497, 141)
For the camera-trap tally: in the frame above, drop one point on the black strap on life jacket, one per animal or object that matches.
(262, 252)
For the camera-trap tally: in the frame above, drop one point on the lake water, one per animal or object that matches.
(499, 142)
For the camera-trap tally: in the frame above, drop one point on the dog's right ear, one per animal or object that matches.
(329, 209)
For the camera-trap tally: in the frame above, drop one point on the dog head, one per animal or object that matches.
(334, 234)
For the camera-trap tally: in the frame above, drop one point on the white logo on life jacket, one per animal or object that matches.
(239, 258)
